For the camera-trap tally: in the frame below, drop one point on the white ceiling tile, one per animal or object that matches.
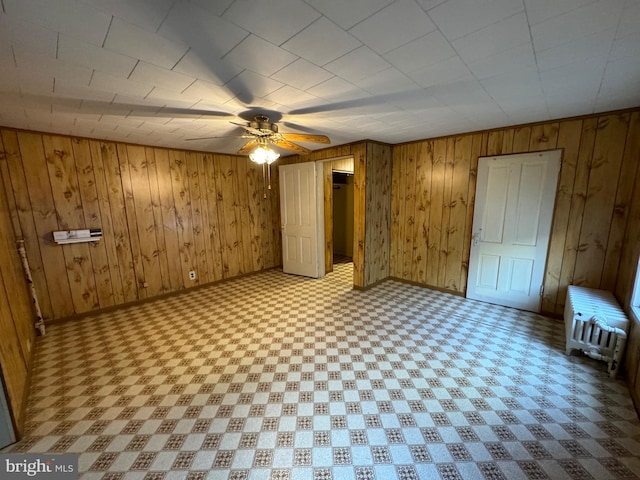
(622, 77)
(302, 74)
(160, 77)
(429, 4)
(147, 14)
(210, 69)
(260, 56)
(210, 36)
(249, 85)
(358, 64)
(577, 24)
(276, 20)
(122, 86)
(627, 46)
(387, 81)
(98, 58)
(596, 45)
(35, 83)
(421, 52)
(37, 65)
(68, 16)
(404, 18)
(337, 88)
(24, 36)
(498, 37)
(572, 108)
(172, 100)
(216, 7)
(457, 18)
(450, 70)
(515, 59)
(464, 93)
(541, 10)
(347, 14)
(630, 20)
(209, 92)
(605, 104)
(571, 82)
(515, 87)
(135, 42)
(321, 42)
(291, 97)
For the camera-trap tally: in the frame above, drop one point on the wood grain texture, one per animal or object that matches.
(599, 205)
(13, 175)
(16, 318)
(378, 213)
(327, 182)
(160, 211)
(590, 242)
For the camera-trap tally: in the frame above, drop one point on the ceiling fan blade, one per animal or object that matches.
(294, 147)
(306, 137)
(248, 147)
(223, 136)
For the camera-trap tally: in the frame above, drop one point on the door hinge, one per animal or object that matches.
(541, 290)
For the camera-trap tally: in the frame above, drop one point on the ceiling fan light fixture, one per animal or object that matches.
(263, 154)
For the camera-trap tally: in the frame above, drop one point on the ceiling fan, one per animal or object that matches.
(263, 132)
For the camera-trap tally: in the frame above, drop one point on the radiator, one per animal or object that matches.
(596, 325)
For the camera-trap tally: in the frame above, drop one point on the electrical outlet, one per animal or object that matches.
(192, 275)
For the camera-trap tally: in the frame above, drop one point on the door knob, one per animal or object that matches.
(476, 237)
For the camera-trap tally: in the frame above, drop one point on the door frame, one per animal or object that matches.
(327, 207)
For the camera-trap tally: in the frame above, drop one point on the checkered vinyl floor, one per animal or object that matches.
(279, 377)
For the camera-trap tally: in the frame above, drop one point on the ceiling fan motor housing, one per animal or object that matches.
(262, 123)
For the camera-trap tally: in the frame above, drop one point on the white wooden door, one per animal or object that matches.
(515, 196)
(298, 214)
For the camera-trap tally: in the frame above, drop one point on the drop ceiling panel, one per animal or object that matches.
(347, 14)
(358, 64)
(160, 77)
(135, 42)
(207, 67)
(69, 16)
(89, 55)
(276, 20)
(302, 74)
(421, 52)
(409, 21)
(194, 27)
(147, 14)
(260, 56)
(450, 70)
(520, 58)
(494, 39)
(577, 24)
(321, 42)
(457, 18)
(391, 70)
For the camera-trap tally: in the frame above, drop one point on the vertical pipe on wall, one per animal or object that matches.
(39, 323)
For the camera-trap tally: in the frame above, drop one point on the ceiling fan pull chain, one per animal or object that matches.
(269, 168)
(264, 181)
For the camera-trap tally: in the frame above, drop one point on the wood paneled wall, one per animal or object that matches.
(372, 205)
(377, 213)
(16, 316)
(434, 191)
(163, 213)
